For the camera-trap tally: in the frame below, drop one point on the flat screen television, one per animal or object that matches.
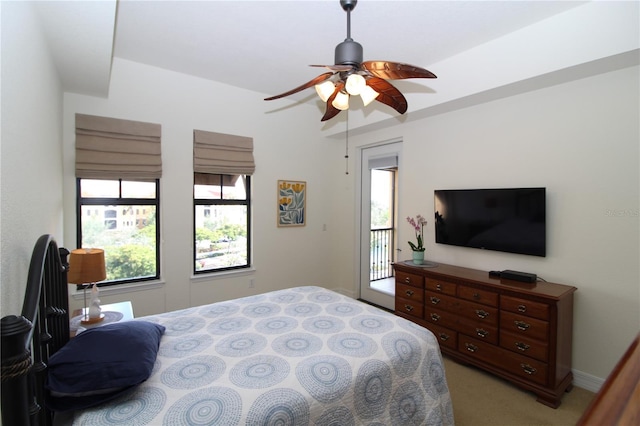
(511, 220)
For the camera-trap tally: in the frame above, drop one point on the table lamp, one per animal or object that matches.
(86, 267)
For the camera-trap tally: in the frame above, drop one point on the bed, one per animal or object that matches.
(298, 356)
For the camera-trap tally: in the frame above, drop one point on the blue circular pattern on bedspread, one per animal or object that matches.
(193, 372)
(297, 344)
(132, 409)
(259, 372)
(242, 344)
(286, 297)
(185, 345)
(408, 405)
(335, 416)
(343, 309)
(323, 325)
(303, 309)
(207, 406)
(371, 324)
(433, 377)
(261, 310)
(372, 389)
(279, 407)
(404, 351)
(352, 344)
(229, 325)
(184, 325)
(276, 325)
(324, 297)
(219, 309)
(326, 378)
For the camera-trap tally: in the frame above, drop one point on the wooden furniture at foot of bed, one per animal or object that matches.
(618, 401)
(521, 332)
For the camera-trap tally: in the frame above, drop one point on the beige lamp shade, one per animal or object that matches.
(86, 266)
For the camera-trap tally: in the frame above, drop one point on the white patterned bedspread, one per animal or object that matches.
(300, 356)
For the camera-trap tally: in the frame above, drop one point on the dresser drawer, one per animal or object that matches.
(485, 297)
(438, 286)
(483, 332)
(409, 307)
(524, 326)
(525, 346)
(440, 317)
(481, 314)
(519, 365)
(525, 307)
(409, 293)
(441, 301)
(446, 337)
(407, 278)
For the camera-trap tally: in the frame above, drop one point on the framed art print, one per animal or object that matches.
(292, 203)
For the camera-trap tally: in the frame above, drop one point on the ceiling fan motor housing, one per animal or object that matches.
(349, 52)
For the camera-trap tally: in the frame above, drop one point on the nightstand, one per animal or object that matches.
(114, 312)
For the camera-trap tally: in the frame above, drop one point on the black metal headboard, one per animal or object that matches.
(30, 339)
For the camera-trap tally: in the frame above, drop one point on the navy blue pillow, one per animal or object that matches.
(101, 363)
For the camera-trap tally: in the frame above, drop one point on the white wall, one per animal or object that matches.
(286, 146)
(31, 141)
(581, 141)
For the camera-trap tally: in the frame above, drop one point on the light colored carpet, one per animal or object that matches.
(480, 398)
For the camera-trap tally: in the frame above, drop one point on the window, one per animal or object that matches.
(222, 215)
(121, 217)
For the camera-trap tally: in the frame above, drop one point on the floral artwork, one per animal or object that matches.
(292, 199)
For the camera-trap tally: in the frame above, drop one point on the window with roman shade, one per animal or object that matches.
(118, 170)
(222, 165)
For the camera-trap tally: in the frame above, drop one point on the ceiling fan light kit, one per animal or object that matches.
(351, 76)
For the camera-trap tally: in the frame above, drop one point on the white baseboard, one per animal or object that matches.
(587, 381)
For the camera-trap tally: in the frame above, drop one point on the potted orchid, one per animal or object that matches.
(418, 249)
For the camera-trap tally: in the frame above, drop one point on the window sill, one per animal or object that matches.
(222, 275)
(121, 289)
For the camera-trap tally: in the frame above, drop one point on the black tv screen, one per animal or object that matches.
(511, 220)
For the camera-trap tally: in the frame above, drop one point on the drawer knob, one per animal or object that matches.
(471, 347)
(528, 369)
(408, 308)
(435, 317)
(409, 293)
(439, 287)
(444, 337)
(481, 313)
(482, 333)
(407, 280)
(522, 308)
(521, 325)
(522, 346)
(434, 300)
(476, 296)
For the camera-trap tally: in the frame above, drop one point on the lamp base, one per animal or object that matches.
(90, 320)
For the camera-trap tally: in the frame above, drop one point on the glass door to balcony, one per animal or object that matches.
(379, 184)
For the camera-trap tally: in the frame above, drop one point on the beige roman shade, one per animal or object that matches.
(219, 153)
(111, 148)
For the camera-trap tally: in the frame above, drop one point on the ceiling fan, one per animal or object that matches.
(351, 76)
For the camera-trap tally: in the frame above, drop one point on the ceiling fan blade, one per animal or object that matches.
(331, 110)
(318, 79)
(388, 94)
(336, 67)
(395, 70)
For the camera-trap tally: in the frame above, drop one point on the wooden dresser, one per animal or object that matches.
(521, 332)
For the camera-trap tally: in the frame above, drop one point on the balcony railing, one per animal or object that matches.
(381, 253)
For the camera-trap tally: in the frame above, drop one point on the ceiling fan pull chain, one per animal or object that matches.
(346, 152)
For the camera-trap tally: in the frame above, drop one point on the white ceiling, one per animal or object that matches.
(265, 46)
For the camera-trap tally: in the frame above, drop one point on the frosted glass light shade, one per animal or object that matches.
(355, 84)
(341, 101)
(325, 90)
(368, 95)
